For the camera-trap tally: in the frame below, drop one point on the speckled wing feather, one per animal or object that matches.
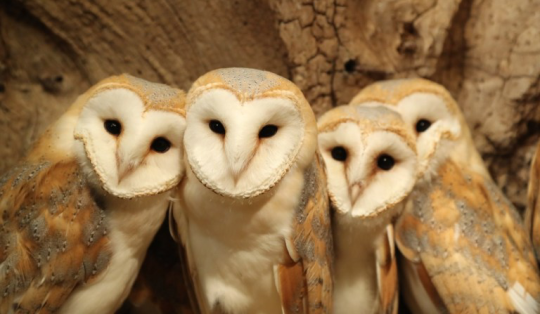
(312, 245)
(387, 276)
(471, 243)
(532, 214)
(52, 236)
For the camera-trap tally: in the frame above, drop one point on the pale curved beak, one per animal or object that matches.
(126, 166)
(239, 151)
(354, 191)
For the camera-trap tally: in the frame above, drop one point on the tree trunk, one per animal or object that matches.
(486, 52)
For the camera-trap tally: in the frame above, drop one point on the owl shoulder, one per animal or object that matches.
(53, 235)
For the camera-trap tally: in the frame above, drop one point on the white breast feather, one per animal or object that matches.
(132, 226)
(235, 246)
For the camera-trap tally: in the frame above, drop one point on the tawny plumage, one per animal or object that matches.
(464, 245)
(53, 236)
(252, 212)
(370, 156)
(387, 273)
(80, 211)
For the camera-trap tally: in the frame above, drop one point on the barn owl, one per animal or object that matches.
(80, 211)
(370, 157)
(253, 213)
(464, 245)
(532, 213)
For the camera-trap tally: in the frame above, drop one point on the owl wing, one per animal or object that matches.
(532, 213)
(159, 287)
(305, 278)
(387, 276)
(52, 235)
(466, 246)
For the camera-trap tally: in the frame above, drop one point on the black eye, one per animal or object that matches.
(268, 131)
(216, 127)
(160, 145)
(339, 153)
(113, 127)
(385, 162)
(422, 125)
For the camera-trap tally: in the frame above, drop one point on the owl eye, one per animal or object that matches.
(160, 145)
(113, 127)
(422, 125)
(339, 153)
(385, 162)
(268, 131)
(216, 127)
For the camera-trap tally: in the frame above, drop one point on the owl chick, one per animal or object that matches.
(532, 213)
(79, 213)
(464, 245)
(253, 213)
(370, 157)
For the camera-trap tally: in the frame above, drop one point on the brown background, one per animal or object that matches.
(487, 52)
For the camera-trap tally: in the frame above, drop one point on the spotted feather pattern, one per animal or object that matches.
(471, 242)
(313, 240)
(53, 236)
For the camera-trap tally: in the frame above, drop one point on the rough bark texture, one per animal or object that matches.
(486, 52)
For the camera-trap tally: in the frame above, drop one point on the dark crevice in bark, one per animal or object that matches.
(451, 64)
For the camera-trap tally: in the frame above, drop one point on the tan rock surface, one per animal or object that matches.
(485, 51)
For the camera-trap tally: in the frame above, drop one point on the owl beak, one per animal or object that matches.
(239, 153)
(355, 191)
(125, 168)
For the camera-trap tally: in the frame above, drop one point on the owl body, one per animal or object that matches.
(77, 219)
(356, 288)
(452, 220)
(129, 238)
(236, 254)
(252, 214)
(459, 236)
(371, 160)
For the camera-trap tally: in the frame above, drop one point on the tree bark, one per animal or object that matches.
(486, 52)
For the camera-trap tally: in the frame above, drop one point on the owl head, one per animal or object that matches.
(432, 113)
(370, 157)
(129, 136)
(245, 129)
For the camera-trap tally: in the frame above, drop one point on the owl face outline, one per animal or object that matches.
(242, 148)
(371, 166)
(429, 111)
(131, 149)
(434, 123)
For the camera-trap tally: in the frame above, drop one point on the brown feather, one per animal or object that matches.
(53, 236)
(470, 240)
(292, 287)
(313, 239)
(387, 274)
